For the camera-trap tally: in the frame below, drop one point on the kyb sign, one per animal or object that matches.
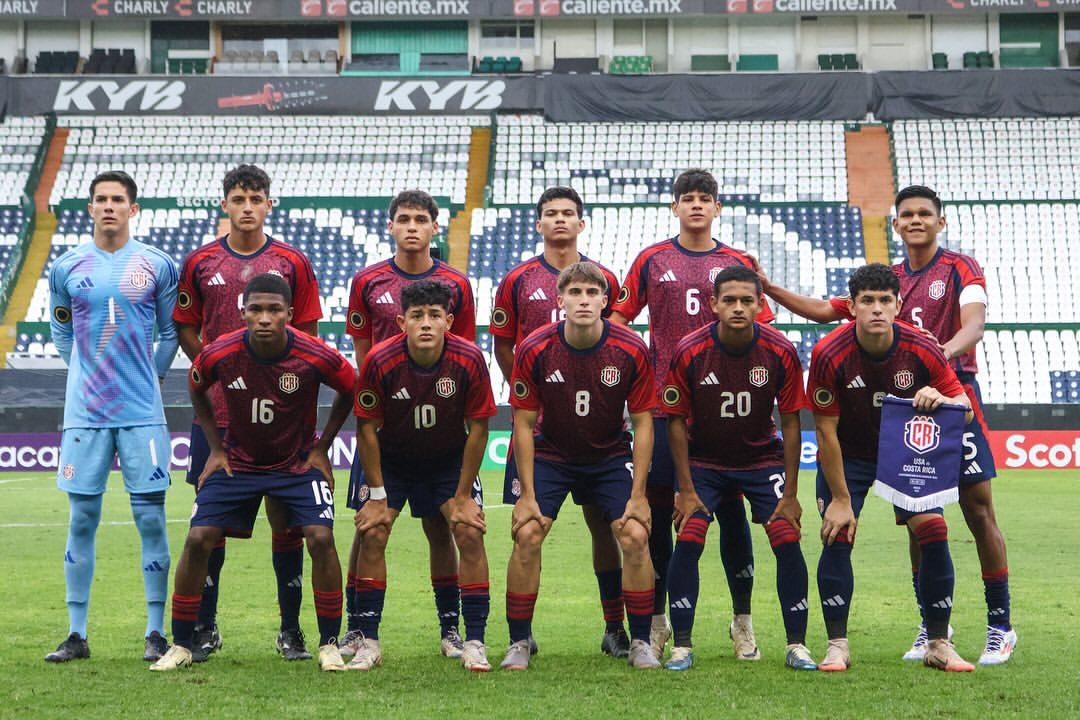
(431, 95)
(92, 95)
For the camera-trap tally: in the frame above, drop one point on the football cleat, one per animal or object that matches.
(642, 656)
(474, 657)
(350, 643)
(741, 631)
(517, 656)
(533, 647)
(177, 657)
(74, 647)
(941, 655)
(452, 646)
(615, 643)
(155, 647)
(330, 659)
(659, 634)
(837, 658)
(290, 643)
(368, 656)
(999, 646)
(207, 641)
(918, 648)
(682, 658)
(798, 658)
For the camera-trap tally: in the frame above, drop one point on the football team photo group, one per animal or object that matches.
(664, 435)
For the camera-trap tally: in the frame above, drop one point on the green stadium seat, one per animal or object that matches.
(485, 64)
(824, 62)
(837, 60)
(513, 65)
(499, 66)
(971, 60)
(710, 63)
(758, 63)
(985, 59)
(851, 62)
(940, 61)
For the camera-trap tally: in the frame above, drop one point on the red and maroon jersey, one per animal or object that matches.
(270, 405)
(423, 410)
(580, 394)
(847, 381)
(375, 299)
(527, 298)
(675, 284)
(932, 298)
(728, 397)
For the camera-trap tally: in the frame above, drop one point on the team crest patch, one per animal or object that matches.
(367, 400)
(183, 299)
(445, 387)
(139, 279)
(194, 509)
(62, 315)
(275, 272)
(624, 294)
(823, 397)
(922, 434)
(713, 273)
(196, 376)
(515, 487)
(610, 376)
(759, 375)
(289, 382)
(356, 319)
(69, 471)
(904, 379)
(671, 396)
(521, 390)
(363, 493)
(499, 317)
(937, 290)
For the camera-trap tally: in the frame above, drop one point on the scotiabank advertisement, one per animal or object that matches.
(1013, 450)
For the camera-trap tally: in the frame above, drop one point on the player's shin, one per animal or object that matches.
(79, 557)
(791, 579)
(638, 589)
(288, 559)
(683, 577)
(661, 505)
(736, 552)
(936, 576)
(836, 583)
(148, 509)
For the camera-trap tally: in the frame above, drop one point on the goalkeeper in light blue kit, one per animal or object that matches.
(107, 298)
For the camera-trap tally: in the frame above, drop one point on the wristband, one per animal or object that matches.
(376, 493)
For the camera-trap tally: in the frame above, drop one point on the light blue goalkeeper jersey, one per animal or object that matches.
(104, 307)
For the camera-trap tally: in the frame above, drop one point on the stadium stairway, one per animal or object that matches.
(476, 181)
(871, 185)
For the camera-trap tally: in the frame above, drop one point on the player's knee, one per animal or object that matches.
(781, 532)
(84, 518)
(978, 512)
(201, 541)
(529, 537)
(634, 538)
(320, 539)
(374, 539)
(931, 529)
(468, 538)
(436, 529)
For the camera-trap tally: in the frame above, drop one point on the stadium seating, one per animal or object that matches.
(55, 62)
(114, 61)
(20, 138)
(636, 162)
(630, 65)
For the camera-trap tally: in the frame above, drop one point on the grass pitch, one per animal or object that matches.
(569, 678)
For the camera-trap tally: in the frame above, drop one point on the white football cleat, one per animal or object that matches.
(330, 659)
(474, 657)
(367, 657)
(999, 646)
(177, 657)
(742, 634)
(659, 634)
(918, 648)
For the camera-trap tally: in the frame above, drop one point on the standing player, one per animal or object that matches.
(725, 379)
(527, 299)
(272, 375)
(579, 374)
(430, 394)
(851, 369)
(674, 279)
(211, 284)
(106, 298)
(944, 294)
(374, 300)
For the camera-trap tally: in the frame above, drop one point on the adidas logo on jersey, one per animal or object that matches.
(402, 394)
(385, 299)
(555, 377)
(682, 604)
(973, 469)
(86, 284)
(710, 379)
(834, 601)
(538, 294)
(669, 276)
(216, 280)
(858, 382)
(237, 384)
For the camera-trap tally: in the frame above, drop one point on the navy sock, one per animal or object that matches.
(836, 583)
(936, 578)
(447, 601)
(661, 503)
(611, 599)
(996, 590)
(328, 613)
(212, 586)
(639, 611)
(915, 586)
(684, 579)
(350, 602)
(736, 552)
(185, 610)
(519, 614)
(370, 597)
(791, 579)
(475, 606)
(288, 550)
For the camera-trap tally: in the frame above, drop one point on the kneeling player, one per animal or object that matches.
(724, 380)
(851, 370)
(272, 375)
(580, 373)
(424, 388)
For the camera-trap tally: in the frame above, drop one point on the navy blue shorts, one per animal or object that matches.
(606, 484)
(978, 462)
(511, 484)
(860, 476)
(763, 487)
(232, 503)
(198, 452)
(425, 487)
(356, 481)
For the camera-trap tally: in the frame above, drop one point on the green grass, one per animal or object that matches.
(570, 679)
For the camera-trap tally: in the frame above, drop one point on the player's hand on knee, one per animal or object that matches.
(373, 514)
(637, 508)
(526, 510)
(217, 460)
(788, 508)
(464, 510)
(838, 517)
(687, 502)
(319, 460)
